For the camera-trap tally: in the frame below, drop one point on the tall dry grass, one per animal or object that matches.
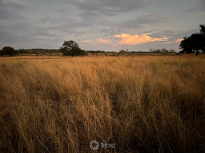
(142, 104)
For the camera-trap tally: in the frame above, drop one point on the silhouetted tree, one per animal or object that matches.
(202, 39)
(8, 51)
(202, 30)
(195, 42)
(71, 48)
(186, 44)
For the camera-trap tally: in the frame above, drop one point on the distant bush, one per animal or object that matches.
(122, 51)
(163, 50)
(98, 51)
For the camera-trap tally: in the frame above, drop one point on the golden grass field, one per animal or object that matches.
(141, 104)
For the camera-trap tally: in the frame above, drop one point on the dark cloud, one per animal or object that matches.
(199, 7)
(62, 10)
(115, 30)
(92, 19)
(187, 33)
(50, 20)
(146, 19)
(6, 14)
(25, 32)
(109, 27)
(110, 7)
(10, 37)
(172, 35)
(21, 31)
(14, 4)
(9, 9)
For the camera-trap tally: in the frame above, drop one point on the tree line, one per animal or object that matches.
(10, 51)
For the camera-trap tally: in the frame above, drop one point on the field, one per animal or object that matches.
(140, 104)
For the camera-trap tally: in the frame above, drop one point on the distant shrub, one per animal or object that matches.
(163, 50)
(122, 51)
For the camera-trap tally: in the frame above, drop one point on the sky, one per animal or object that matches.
(108, 25)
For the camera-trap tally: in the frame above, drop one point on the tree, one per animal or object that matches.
(71, 48)
(186, 44)
(195, 42)
(8, 51)
(202, 30)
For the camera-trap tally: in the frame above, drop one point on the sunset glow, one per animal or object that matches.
(136, 39)
(127, 39)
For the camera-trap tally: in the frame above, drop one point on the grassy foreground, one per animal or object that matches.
(141, 104)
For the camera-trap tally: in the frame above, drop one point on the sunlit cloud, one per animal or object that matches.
(175, 41)
(136, 39)
(87, 41)
(123, 35)
(107, 41)
(103, 41)
(17, 2)
(127, 39)
(179, 40)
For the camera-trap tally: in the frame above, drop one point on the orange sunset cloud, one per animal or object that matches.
(179, 40)
(175, 41)
(104, 41)
(87, 41)
(136, 39)
(127, 39)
